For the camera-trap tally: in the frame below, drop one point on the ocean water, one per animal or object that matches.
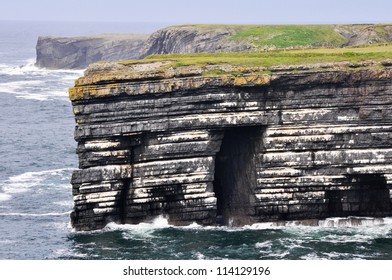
(37, 156)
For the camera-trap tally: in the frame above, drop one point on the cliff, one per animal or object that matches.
(79, 52)
(194, 39)
(232, 144)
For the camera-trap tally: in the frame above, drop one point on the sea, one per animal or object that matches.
(37, 157)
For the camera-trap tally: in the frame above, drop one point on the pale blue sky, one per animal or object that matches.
(201, 11)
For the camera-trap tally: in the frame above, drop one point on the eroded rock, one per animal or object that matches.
(296, 144)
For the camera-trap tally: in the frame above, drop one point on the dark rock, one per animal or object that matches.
(292, 145)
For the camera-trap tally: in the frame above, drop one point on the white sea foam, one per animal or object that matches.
(36, 214)
(260, 226)
(17, 87)
(350, 222)
(200, 256)
(29, 68)
(367, 225)
(265, 244)
(33, 90)
(347, 238)
(193, 225)
(336, 222)
(25, 181)
(37, 83)
(312, 256)
(264, 247)
(5, 197)
(69, 253)
(7, 241)
(339, 255)
(157, 223)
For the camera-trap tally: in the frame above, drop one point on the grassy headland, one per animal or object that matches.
(276, 57)
(294, 36)
(273, 45)
(285, 36)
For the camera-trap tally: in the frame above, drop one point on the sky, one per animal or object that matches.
(201, 11)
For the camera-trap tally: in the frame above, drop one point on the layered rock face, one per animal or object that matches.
(79, 52)
(193, 39)
(299, 143)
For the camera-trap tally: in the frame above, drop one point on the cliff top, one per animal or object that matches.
(240, 69)
(287, 36)
(212, 64)
(275, 57)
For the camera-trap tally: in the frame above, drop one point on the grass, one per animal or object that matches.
(285, 36)
(277, 57)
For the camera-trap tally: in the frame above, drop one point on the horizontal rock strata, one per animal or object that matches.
(231, 149)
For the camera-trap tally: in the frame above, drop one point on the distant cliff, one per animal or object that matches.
(194, 39)
(79, 52)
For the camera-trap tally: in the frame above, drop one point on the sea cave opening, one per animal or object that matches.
(235, 175)
(368, 195)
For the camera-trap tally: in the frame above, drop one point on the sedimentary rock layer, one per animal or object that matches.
(237, 149)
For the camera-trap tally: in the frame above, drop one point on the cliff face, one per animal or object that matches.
(79, 52)
(365, 34)
(233, 149)
(193, 39)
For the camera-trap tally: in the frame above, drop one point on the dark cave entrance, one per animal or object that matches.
(235, 175)
(368, 196)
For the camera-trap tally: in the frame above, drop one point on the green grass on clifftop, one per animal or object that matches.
(285, 36)
(277, 57)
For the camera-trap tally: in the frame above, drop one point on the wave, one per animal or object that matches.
(368, 225)
(35, 89)
(36, 214)
(351, 222)
(31, 82)
(333, 222)
(58, 178)
(29, 68)
(159, 222)
(5, 197)
(43, 97)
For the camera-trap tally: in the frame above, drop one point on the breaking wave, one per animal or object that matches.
(36, 214)
(56, 178)
(334, 238)
(336, 223)
(30, 82)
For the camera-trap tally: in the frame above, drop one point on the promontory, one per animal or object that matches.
(79, 52)
(234, 138)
